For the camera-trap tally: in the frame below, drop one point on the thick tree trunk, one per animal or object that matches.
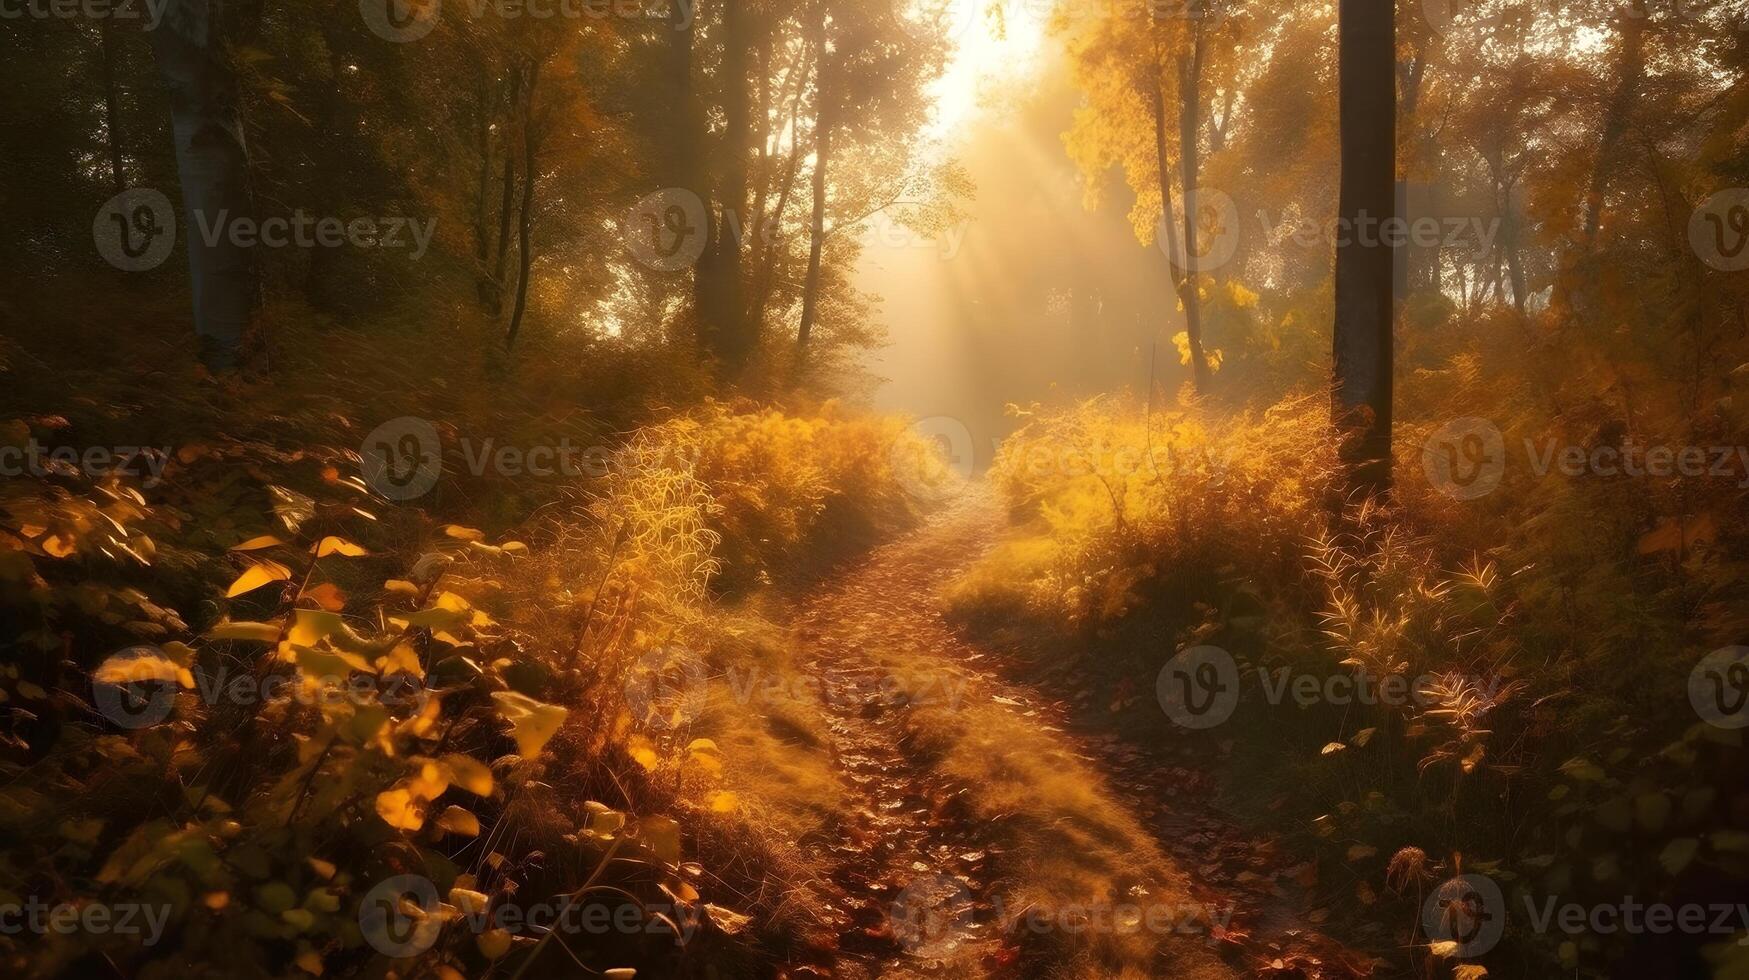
(1189, 125)
(525, 219)
(723, 320)
(213, 168)
(1362, 343)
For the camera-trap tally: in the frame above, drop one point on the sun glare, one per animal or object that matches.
(994, 44)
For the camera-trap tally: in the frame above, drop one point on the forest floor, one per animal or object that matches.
(988, 825)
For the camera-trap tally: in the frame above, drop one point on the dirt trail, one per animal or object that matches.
(920, 872)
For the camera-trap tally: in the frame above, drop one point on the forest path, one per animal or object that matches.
(991, 834)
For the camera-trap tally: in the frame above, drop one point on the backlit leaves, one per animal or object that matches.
(258, 575)
(532, 723)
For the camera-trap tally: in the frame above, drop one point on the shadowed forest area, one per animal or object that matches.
(495, 489)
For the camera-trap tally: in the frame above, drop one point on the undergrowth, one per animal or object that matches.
(1543, 634)
(326, 732)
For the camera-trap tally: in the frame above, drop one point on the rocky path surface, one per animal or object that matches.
(920, 874)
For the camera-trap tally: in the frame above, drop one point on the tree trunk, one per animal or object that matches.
(1509, 243)
(506, 205)
(1175, 268)
(525, 219)
(112, 107)
(213, 167)
(1362, 343)
(811, 289)
(722, 310)
(1411, 260)
(1615, 121)
(822, 158)
(1189, 125)
(482, 192)
(765, 245)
